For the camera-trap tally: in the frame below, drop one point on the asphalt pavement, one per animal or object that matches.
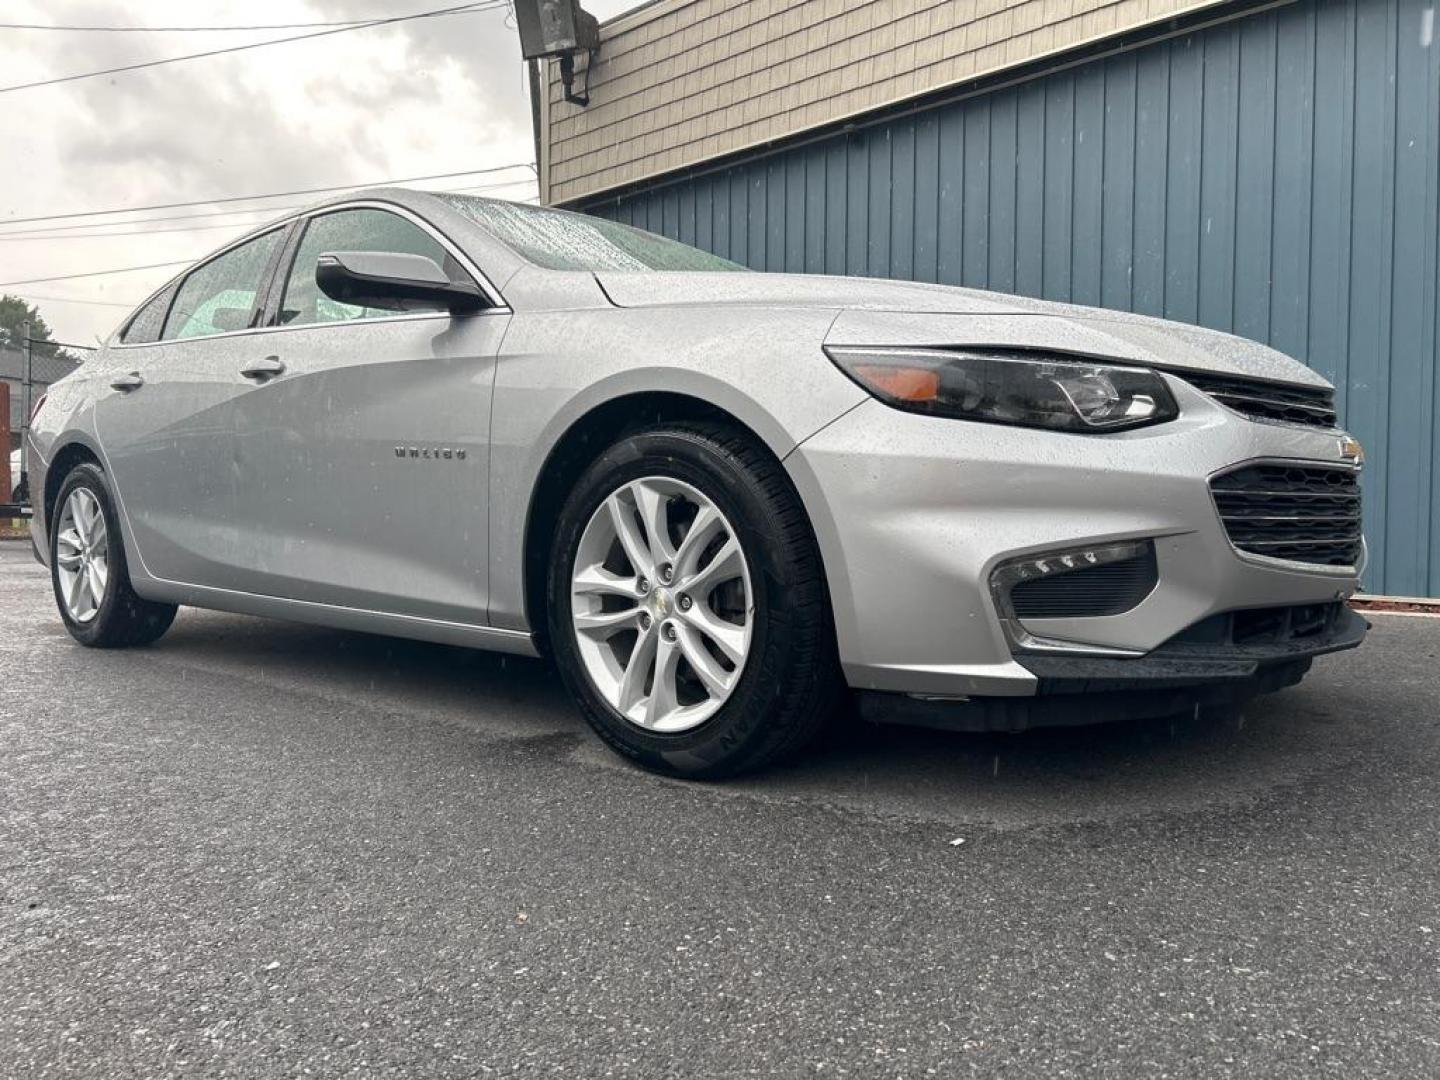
(258, 849)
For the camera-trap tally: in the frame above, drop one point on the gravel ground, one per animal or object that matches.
(262, 850)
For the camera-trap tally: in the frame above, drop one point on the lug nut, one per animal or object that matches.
(667, 630)
(666, 573)
(643, 586)
(644, 620)
(685, 602)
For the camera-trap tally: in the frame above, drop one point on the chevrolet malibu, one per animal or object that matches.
(721, 501)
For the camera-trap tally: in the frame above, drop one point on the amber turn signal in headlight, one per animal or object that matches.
(1003, 387)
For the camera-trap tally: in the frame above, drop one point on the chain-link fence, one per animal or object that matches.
(27, 368)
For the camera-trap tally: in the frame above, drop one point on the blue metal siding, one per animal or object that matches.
(1276, 176)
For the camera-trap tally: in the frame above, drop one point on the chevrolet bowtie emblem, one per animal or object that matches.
(1351, 450)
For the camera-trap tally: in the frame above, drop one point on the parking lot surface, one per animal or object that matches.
(259, 849)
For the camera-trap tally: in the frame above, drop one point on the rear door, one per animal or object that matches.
(164, 417)
(361, 466)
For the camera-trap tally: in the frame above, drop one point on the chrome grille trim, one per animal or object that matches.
(1308, 406)
(1299, 512)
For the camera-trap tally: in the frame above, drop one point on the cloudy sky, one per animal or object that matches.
(418, 98)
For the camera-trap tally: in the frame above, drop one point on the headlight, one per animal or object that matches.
(1010, 388)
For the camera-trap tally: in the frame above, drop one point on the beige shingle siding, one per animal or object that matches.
(680, 82)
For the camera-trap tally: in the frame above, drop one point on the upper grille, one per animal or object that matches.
(1305, 513)
(1092, 591)
(1312, 406)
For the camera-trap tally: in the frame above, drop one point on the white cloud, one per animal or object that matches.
(428, 96)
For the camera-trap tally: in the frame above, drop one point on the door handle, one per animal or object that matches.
(260, 370)
(125, 383)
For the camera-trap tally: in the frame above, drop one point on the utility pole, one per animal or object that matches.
(22, 490)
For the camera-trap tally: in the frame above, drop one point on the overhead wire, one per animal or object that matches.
(32, 297)
(75, 232)
(96, 273)
(337, 26)
(141, 221)
(265, 195)
(460, 9)
(148, 266)
(69, 28)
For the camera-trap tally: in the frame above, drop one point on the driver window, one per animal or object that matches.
(350, 230)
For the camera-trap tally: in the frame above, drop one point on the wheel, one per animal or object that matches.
(687, 607)
(89, 573)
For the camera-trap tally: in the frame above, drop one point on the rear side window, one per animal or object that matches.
(352, 230)
(145, 325)
(222, 295)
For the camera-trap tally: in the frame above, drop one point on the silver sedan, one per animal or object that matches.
(725, 503)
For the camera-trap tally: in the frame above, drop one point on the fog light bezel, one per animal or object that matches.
(1053, 563)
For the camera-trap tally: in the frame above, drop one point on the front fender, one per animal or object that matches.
(764, 368)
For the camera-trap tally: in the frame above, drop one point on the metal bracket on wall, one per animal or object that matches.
(567, 77)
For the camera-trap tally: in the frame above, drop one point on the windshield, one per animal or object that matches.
(558, 240)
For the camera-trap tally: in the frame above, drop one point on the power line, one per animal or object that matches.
(179, 262)
(32, 297)
(185, 29)
(98, 273)
(132, 232)
(27, 233)
(488, 5)
(73, 235)
(267, 195)
(117, 270)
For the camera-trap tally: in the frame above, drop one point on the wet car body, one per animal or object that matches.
(399, 474)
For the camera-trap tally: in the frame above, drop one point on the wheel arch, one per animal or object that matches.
(580, 443)
(74, 452)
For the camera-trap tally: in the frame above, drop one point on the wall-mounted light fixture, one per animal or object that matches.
(559, 28)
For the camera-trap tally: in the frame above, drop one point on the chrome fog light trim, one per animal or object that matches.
(1048, 564)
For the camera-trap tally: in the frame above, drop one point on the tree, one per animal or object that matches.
(14, 312)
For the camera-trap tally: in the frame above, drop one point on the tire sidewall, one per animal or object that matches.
(696, 461)
(93, 480)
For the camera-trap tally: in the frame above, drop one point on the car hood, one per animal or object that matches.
(807, 290)
(874, 311)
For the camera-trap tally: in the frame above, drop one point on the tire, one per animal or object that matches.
(774, 701)
(117, 617)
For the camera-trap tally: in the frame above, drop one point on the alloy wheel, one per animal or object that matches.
(82, 555)
(662, 604)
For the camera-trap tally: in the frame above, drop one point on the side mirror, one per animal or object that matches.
(394, 281)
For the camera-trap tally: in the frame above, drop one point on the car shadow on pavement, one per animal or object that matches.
(1001, 779)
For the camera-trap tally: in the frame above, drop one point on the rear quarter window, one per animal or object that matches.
(145, 324)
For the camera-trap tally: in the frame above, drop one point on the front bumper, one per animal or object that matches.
(1177, 677)
(39, 526)
(914, 513)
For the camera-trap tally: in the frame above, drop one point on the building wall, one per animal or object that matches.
(1277, 176)
(682, 81)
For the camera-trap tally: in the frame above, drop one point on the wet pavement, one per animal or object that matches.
(261, 849)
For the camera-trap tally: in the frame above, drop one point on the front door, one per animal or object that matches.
(361, 466)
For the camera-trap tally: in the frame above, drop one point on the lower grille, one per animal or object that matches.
(1264, 626)
(1087, 593)
(1303, 513)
